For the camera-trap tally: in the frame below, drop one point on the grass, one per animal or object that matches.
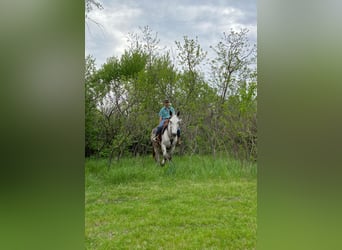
(195, 203)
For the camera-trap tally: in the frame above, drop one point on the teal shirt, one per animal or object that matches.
(164, 113)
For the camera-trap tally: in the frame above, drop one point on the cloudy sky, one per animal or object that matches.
(170, 19)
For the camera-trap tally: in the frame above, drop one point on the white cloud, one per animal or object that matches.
(107, 37)
(172, 20)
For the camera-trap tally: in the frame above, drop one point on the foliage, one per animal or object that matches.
(234, 56)
(234, 77)
(124, 96)
(91, 4)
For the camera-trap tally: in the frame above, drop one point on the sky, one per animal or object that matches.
(171, 20)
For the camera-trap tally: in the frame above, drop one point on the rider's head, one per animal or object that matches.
(166, 102)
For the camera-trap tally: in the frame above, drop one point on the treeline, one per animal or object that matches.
(218, 109)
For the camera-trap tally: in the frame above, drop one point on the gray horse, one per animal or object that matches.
(168, 140)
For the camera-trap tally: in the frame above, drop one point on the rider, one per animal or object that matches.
(164, 114)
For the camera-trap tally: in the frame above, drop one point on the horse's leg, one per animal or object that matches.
(172, 149)
(157, 158)
(163, 147)
(156, 153)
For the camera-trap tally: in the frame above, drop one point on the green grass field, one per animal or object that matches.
(193, 203)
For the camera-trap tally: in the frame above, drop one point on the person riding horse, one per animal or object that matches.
(164, 114)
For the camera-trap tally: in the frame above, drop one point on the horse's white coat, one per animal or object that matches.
(169, 140)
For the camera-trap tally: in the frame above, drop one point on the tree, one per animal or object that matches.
(234, 56)
(90, 5)
(146, 43)
(124, 96)
(92, 97)
(234, 77)
(194, 92)
(190, 56)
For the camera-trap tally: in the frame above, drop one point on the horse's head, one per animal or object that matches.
(174, 124)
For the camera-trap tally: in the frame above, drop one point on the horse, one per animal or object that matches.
(168, 140)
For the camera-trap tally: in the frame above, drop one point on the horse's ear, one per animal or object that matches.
(170, 113)
(178, 113)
